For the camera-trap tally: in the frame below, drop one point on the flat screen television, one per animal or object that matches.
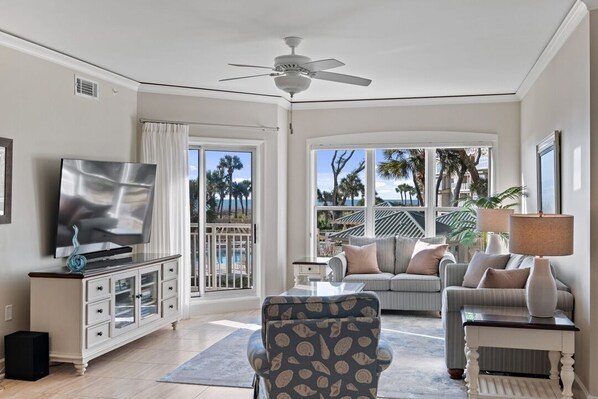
(110, 202)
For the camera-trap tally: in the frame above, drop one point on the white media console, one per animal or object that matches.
(91, 313)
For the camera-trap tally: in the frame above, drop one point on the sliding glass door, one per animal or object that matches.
(222, 218)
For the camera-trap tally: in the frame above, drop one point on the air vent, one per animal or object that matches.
(86, 88)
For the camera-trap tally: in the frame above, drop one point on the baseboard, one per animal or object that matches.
(582, 390)
(225, 305)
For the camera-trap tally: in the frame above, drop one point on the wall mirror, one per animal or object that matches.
(5, 180)
(548, 167)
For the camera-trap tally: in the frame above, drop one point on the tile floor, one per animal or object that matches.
(132, 371)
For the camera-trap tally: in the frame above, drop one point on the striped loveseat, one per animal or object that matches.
(397, 289)
(491, 359)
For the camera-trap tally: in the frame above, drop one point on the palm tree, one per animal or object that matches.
(351, 186)
(411, 192)
(403, 189)
(230, 163)
(236, 192)
(400, 164)
(214, 179)
(245, 190)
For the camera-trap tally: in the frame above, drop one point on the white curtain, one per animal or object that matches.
(167, 146)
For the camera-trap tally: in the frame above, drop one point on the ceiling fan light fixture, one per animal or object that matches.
(292, 82)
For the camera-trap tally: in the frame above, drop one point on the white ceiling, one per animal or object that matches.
(409, 48)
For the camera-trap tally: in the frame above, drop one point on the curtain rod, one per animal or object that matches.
(254, 127)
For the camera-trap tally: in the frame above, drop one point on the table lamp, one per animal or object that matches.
(541, 235)
(493, 221)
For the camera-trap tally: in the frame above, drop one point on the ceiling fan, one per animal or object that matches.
(293, 72)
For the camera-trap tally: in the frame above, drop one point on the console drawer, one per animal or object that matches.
(169, 288)
(98, 334)
(170, 270)
(169, 306)
(97, 312)
(98, 289)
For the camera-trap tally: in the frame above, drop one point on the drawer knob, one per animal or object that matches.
(100, 310)
(309, 268)
(170, 288)
(171, 270)
(100, 288)
(100, 334)
(171, 306)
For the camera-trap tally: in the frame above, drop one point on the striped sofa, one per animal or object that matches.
(491, 359)
(396, 289)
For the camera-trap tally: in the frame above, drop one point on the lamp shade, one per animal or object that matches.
(541, 234)
(493, 220)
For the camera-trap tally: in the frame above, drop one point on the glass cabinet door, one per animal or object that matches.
(125, 292)
(149, 295)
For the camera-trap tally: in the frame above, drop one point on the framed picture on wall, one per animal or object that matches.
(548, 165)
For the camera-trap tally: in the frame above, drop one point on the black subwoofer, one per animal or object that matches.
(26, 355)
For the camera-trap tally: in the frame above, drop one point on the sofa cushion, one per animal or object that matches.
(426, 261)
(361, 260)
(373, 282)
(478, 265)
(514, 261)
(513, 278)
(415, 283)
(404, 250)
(385, 250)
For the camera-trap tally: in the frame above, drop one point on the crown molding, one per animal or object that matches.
(402, 102)
(216, 94)
(591, 4)
(64, 60)
(572, 20)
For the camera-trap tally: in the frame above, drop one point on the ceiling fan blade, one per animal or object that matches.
(320, 65)
(250, 76)
(251, 66)
(339, 77)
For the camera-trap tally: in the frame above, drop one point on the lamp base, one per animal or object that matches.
(540, 291)
(495, 245)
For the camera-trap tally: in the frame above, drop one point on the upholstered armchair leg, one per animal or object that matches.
(256, 386)
(455, 374)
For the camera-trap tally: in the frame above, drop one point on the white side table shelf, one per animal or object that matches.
(311, 268)
(505, 327)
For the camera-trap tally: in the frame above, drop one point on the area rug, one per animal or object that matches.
(417, 370)
(222, 364)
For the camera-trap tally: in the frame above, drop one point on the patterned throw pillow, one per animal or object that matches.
(361, 260)
(478, 265)
(512, 278)
(426, 260)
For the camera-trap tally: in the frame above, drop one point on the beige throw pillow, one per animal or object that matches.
(478, 265)
(511, 278)
(426, 261)
(361, 260)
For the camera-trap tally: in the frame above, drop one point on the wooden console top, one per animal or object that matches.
(98, 268)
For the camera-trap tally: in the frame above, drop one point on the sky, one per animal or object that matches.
(213, 159)
(384, 188)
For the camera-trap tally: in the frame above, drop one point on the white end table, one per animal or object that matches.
(311, 268)
(506, 327)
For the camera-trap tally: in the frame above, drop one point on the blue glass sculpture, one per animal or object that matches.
(76, 263)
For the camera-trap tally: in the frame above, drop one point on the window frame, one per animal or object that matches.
(430, 209)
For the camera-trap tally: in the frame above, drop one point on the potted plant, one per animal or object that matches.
(463, 226)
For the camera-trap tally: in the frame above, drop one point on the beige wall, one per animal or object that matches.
(47, 121)
(560, 100)
(191, 108)
(501, 119)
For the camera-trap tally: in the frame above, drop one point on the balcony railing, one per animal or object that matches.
(228, 257)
